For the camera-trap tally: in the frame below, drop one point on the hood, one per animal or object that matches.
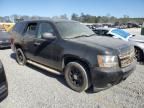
(101, 41)
(137, 38)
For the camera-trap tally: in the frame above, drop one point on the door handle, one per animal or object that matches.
(37, 43)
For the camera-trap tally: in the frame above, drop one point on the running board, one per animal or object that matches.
(44, 67)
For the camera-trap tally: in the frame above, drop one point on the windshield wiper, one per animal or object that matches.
(81, 36)
(84, 36)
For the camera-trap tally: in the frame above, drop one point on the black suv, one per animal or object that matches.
(3, 83)
(74, 50)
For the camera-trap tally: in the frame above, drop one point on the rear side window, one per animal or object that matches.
(19, 27)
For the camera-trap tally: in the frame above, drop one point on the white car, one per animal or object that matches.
(137, 41)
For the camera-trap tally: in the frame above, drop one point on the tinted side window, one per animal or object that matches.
(31, 29)
(104, 32)
(98, 32)
(19, 27)
(110, 35)
(45, 28)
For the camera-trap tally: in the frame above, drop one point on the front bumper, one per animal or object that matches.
(3, 91)
(103, 78)
(5, 45)
(3, 83)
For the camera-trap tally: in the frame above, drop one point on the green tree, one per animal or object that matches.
(125, 19)
(1, 18)
(75, 17)
(64, 16)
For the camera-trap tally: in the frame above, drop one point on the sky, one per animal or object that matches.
(49, 8)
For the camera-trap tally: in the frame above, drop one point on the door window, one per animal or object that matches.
(45, 28)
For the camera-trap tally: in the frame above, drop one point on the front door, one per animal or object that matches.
(46, 50)
(28, 39)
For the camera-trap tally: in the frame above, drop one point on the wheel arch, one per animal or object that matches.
(17, 45)
(142, 51)
(71, 58)
(138, 47)
(81, 61)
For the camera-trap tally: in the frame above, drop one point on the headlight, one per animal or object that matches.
(107, 61)
(1, 41)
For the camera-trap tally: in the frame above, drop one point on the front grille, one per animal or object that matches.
(127, 57)
(4, 45)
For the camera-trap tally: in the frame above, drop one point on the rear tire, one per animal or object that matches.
(76, 76)
(20, 57)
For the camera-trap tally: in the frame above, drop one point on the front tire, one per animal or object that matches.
(76, 76)
(20, 57)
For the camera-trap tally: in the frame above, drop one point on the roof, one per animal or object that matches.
(50, 20)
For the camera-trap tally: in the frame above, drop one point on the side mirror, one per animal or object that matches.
(48, 36)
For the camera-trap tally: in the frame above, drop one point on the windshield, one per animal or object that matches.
(73, 29)
(121, 33)
(4, 35)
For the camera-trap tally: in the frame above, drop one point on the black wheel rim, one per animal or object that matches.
(76, 77)
(20, 56)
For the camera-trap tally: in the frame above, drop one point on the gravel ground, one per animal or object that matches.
(30, 87)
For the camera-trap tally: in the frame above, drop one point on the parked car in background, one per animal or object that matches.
(6, 26)
(91, 27)
(3, 83)
(137, 41)
(5, 40)
(74, 50)
(121, 26)
(2, 30)
(132, 25)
